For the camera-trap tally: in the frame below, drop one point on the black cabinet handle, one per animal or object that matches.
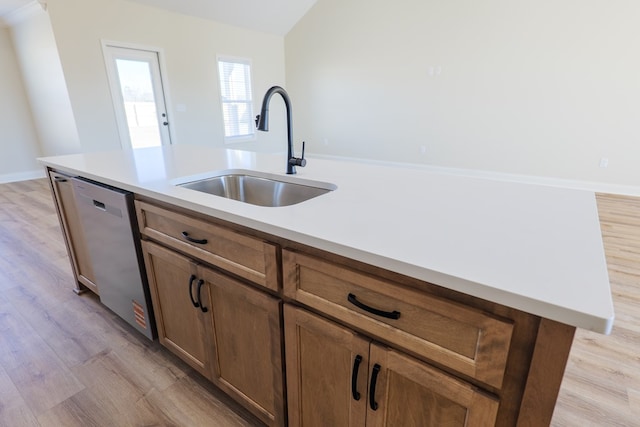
(191, 279)
(354, 377)
(202, 307)
(372, 387)
(395, 315)
(59, 179)
(192, 240)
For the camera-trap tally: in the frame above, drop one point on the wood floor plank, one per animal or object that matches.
(116, 387)
(154, 366)
(80, 410)
(634, 401)
(588, 412)
(86, 409)
(14, 411)
(61, 326)
(39, 375)
(48, 282)
(193, 402)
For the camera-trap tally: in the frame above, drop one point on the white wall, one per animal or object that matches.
(18, 139)
(543, 88)
(189, 46)
(37, 54)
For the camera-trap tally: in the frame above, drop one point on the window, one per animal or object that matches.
(237, 102)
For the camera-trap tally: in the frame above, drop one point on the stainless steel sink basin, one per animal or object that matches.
(259, 189)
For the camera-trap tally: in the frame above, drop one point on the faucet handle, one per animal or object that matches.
(257, 120)
(302, 162)
(299, 161)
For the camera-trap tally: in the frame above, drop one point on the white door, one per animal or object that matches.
(138, 96)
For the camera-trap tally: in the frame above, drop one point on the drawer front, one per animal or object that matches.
(244, 256)
(451, 334)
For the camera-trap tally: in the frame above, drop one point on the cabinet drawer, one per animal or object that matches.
(244, 256)
(465, 339)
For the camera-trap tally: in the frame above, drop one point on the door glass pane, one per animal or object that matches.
(139, 103)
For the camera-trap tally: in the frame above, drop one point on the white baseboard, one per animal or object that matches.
(22, 176)
(597, 187)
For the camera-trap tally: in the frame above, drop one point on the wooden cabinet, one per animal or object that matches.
(409, 392)
(320, 358)
(362, 346)
(433, 357)
(182, 328)
(72, 231)
(239, 254)
(337, 377)
(468, 340)
(228, 331)
(247, 343)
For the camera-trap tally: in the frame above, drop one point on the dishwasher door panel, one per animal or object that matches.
(106, 216)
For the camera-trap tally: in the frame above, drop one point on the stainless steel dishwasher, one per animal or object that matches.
(106, 215)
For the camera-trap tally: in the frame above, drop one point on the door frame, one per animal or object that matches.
(116, 96)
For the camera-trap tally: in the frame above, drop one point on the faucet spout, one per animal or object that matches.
(262, 124)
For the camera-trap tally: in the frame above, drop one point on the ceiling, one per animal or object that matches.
(270, 16)
(7, 6)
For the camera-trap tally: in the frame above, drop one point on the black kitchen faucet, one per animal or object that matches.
(262, 123)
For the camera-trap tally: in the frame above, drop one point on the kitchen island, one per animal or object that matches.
(528, 260)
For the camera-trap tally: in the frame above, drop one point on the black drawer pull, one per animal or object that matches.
(354, 377)
(60, 179)
(372, 387)
(395, 315)
(191, 279)
(202, 307)
(192, 240)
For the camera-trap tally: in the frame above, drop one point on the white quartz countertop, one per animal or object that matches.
(535, 248)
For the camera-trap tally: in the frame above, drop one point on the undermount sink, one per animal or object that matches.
(259, 188)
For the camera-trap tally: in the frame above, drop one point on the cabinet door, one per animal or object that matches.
(323, 375)
(406, 392)
(247, 362)
(72, 229)
(181, 326)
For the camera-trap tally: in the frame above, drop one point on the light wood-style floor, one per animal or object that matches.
(65, 360)
(601, 385)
